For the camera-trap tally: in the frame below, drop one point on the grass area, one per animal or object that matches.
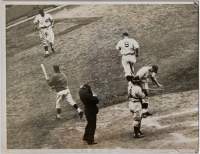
(167, 35)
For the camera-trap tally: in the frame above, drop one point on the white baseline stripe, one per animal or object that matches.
(33, 17)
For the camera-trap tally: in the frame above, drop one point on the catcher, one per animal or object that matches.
(135, 95)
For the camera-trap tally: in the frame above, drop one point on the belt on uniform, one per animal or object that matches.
(134, 101)
(44, 27)
(128, 54)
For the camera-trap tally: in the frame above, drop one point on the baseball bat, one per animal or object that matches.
(43, 69)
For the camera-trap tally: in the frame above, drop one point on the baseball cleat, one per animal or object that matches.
(138, 136)
(53, 50)
(46, 55)
(141, 133)
(57, 117)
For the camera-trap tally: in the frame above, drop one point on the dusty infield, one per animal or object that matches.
(85, 40)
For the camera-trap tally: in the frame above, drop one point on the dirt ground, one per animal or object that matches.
(85, 40)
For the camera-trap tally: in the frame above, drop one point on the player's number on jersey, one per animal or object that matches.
(126, 44)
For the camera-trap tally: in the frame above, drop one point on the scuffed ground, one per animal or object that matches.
(174, 125)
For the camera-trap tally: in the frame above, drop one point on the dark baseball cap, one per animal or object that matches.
(125, 34)
(56, 68)
(41, 11)
(155, 68)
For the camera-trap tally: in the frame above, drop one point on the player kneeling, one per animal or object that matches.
(135, 95)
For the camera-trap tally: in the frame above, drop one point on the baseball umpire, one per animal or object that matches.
(135, 95)
(44, 23)
(59, 83)
(144, 74)
(129, 49)
(89, 100)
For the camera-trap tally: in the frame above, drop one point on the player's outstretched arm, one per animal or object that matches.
(155, 81)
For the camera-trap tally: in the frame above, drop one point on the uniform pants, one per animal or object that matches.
(48, 33)
(136, 109)
(90, 127)
(128, 62)
(64, 94)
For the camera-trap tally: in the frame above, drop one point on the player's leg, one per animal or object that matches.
(145, 103)
(44, 42)
(137, 117)
(132, 61)
(51, 39)
(69, 98)
(127, 69)
(58, 105)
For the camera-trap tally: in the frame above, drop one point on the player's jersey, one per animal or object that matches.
(58, 81)
(144, 74)
(135, 92)
(126, 45)
(43, 21)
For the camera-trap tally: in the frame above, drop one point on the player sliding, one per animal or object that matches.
(44, 23)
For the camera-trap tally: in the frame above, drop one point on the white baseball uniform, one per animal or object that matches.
(135, 92)
(144, 75)
(45, 29)
(64, 94)
(126, 47)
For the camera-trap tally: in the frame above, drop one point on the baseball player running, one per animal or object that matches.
(59, 83)
(128, 48)
(144, 74)
(44, 23)
(135, 95)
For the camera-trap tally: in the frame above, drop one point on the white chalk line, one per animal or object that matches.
(59, 7)
(152, 121)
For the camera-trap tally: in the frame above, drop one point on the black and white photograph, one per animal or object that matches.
(95, 77)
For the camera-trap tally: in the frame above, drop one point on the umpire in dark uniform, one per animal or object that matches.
(89, 100)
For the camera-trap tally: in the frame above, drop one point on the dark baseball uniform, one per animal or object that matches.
(59, 83)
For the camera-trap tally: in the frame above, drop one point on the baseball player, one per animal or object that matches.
(59, 83)
(144, 74)
(129, 49)
(44, 23)
(135, 95)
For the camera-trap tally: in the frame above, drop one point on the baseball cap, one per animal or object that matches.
(125, 34)
(56, 68)
(155, 68)
(41, 11)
